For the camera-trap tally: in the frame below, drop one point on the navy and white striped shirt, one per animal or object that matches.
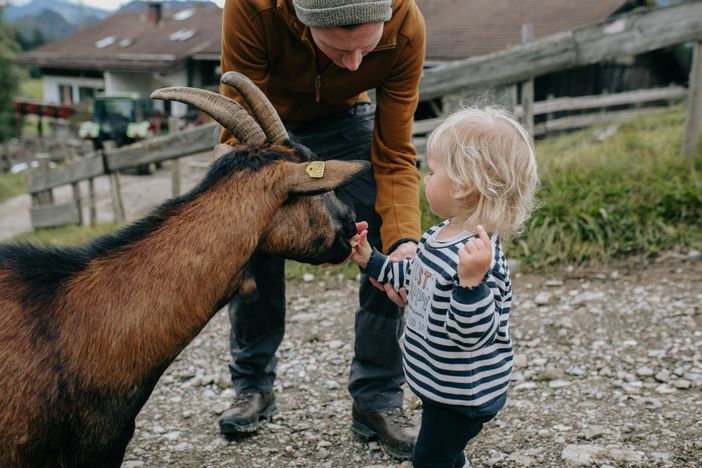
(457, 347)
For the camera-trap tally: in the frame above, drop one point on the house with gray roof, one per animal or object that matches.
(134, 52)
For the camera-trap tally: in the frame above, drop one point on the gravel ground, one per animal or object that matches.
(608, 372)
(608, 369)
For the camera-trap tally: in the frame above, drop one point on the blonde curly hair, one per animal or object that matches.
(489, 157)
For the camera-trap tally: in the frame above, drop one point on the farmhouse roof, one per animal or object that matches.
(459, 29)
(456, 29)
(133, 41)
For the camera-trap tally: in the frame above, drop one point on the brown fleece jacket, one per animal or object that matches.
(266, 42)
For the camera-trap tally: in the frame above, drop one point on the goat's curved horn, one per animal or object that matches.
(227, 112)
(263, 110)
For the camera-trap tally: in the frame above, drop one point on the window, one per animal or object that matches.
(86, 94)
(65, 94)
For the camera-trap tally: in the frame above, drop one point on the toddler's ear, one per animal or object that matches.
(467, 196)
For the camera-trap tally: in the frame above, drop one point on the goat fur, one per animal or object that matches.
(86, 332)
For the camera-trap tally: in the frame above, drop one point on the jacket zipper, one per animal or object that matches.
(317, 87)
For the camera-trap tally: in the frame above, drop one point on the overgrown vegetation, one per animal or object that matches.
(12, 185)
(8, 78)
(65, 235)
(631, 193)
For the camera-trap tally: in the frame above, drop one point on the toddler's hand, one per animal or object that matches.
(362, 250)
(474, 259)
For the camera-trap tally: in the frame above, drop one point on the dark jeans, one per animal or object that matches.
(443, 436)
(258, 327)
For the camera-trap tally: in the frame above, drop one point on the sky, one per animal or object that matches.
(104, 4)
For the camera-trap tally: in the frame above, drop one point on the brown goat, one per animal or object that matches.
(86, 332)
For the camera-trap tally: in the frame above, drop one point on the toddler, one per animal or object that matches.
(457, 349)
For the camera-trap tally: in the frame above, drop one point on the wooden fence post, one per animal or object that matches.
(693, 119)
(92, 204)
(115, 191)
(528, 86)
(76, 198)
(174, 129)
(514, 97)
(45, 197)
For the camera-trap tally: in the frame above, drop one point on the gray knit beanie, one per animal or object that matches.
(333, 13)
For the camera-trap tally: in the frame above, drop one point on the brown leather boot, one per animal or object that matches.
(247, 412)
(390, 427)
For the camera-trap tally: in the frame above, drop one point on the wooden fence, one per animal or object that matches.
(44, 213)
(637, 32)
(600, 104)
(633, 33)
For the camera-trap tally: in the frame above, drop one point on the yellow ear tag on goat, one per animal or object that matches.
(315, 169)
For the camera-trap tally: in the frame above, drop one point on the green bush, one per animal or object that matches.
(633, 193)
(8, 78)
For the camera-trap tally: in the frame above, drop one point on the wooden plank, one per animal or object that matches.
(544, 55)
(691, 139)
(174, 124)
(639, 31)
(527, 87)
(77, 200)
(421, 127)
(184, 143)
(420, 143)
(43, 216)
(44, 196)
(116, 194)
(632, 33)
(586, 120)
(89, 167)
(92, 202)
(671, 93)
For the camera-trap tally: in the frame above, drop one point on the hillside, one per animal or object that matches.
(42, 21)
(72, 13)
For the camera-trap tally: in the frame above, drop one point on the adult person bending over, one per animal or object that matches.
(315, 60)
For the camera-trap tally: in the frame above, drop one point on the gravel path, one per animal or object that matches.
(608, 373)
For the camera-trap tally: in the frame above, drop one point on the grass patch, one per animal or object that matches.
(12, 185)
(633, 193)
(65, 235)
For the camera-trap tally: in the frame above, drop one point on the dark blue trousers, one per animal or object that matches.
(258, 327)
(443, 436)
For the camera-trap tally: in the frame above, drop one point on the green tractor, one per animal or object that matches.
(122, 118)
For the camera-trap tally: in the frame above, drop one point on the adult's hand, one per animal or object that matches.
(405, 250)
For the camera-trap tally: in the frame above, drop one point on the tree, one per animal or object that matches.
(8, 78)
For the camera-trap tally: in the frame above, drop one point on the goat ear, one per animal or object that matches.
(318, 176)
